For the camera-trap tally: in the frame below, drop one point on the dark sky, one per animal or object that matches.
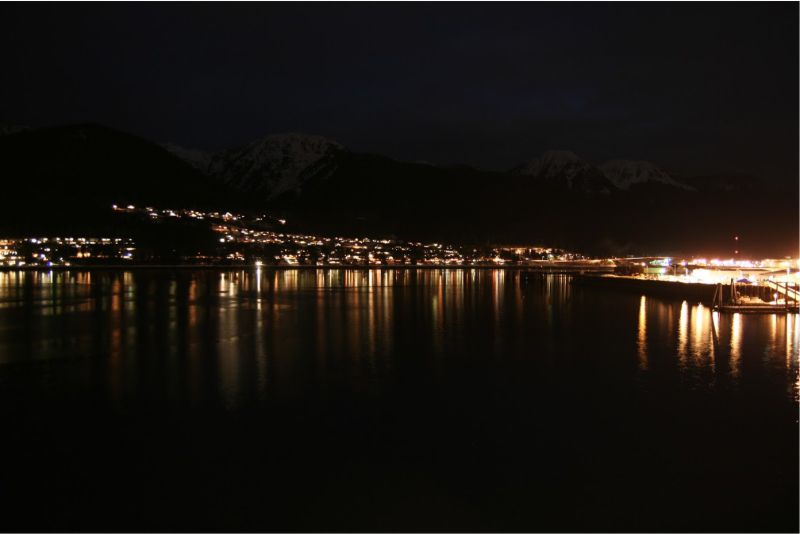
(693, 87)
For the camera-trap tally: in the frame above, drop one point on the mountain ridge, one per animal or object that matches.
(280, 163)
(58, 176)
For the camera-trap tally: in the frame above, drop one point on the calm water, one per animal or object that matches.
(388, 400)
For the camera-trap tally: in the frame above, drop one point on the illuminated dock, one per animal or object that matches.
(779, 298)
(769, 297)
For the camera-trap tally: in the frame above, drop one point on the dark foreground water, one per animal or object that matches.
(388, 400)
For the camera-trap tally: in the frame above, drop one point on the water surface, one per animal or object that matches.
(388, 400)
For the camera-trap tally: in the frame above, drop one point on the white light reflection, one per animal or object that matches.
(736, 343)
(793, 350)
(683, 333)
(700, 334)
(642, 337)
(791, 335)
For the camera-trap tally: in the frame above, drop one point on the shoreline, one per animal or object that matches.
(581, 275)
(689, 291)
(554, 269)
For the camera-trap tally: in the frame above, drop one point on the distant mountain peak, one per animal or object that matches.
(8, 129)
(566, 168)
(277, 163)
(560, 164)
(199, 159)
(625, 173)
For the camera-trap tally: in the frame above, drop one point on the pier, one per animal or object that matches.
(771, 297)
(733, 297)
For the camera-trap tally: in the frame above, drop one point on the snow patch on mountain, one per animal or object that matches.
(198, 159)
(625, 173)
(8, 129)
(276, 164)
(565, 167)
(556, 165)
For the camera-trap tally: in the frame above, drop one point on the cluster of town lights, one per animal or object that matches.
(261, 240)
(54, 251)
(246, 239)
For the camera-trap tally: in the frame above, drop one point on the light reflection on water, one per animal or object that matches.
(313, 389)
(641, 341)
(702, 337)
(242, 335)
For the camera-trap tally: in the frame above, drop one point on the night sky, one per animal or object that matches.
(693, 87)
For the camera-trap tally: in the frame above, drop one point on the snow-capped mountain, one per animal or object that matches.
(273, 165)
(555, 165)
(63, 171)
(625, 173)
(8, 129)
(565, 168)
(198, 159)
